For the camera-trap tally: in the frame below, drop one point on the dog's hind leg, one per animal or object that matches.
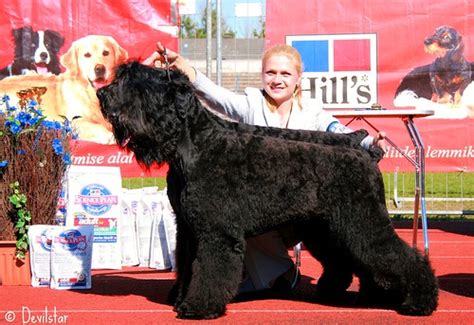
(389, 270)
(216, 275)
(409, 285)
(337, 269)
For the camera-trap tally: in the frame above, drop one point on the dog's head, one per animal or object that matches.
(444, 40)
(147, 110)
(38, 50)
(92, 59)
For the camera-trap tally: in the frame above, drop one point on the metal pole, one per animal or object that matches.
(209, 39)
(219, 43)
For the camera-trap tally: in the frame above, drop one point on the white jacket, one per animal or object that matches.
(251, 108)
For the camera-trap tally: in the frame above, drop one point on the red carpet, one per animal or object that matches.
(138, 296)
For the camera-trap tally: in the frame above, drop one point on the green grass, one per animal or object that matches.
(445, 192)
(436, 184)
(144, 182)
(438, 187)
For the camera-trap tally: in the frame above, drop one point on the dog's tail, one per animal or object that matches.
(357, 136)
(376, 153)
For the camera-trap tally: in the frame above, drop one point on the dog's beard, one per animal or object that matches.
(434, 49)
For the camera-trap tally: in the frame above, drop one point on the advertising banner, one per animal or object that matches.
(71, 49)
(401, 55)
(94, 198)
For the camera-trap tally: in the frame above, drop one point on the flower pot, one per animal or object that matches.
(12, 270)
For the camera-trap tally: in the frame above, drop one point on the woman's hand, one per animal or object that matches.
(175, 61)
(379, 141)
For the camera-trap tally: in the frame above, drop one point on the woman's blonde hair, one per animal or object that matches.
(291, 53)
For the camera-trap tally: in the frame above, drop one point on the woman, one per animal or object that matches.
(278, 104)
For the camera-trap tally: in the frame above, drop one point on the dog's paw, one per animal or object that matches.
(410, 310)
(186, 311)
(419, 305)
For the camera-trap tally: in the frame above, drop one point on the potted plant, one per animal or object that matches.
(34, 156)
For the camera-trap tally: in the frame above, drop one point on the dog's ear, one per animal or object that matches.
(19, 32)
(23, 38)
(121, 54)
(55, 38)
(69, 59)
(457, 52)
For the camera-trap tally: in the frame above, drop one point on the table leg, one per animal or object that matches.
(419, 164)
(419, 183)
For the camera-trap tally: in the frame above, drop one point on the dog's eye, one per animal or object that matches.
(87, 55)
(105, 53)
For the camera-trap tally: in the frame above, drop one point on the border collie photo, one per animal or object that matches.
(35, 51)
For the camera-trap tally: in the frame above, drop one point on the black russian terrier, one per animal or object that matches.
(228, 181)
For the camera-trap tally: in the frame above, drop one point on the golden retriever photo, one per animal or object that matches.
(89, 64)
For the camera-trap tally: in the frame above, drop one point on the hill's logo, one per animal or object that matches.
(339, 70)
(71, 240)
(96, 199)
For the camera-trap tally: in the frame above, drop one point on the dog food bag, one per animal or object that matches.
(61, 207)
(159, 255)
(40, 238)
(144, 230)
(169, 220)
(128, 232)
(71, 257)
(94, 196)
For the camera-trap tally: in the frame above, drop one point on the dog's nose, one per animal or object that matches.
(99, 70)
(429, 41)
(43, 56)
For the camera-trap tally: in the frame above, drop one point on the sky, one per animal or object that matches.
(243, 26)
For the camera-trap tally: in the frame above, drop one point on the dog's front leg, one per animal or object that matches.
(185, 255)
(216, 274)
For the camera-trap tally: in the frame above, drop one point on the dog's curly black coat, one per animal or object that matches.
(228, 181)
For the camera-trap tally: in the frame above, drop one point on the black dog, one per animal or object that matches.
(444, 80)
(34, 51)
(228, 181)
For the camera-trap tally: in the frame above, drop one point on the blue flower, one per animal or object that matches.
(14, 127)
(4, 163)
(67, 159)
(52, 125)
(58, 147)
(24, 118)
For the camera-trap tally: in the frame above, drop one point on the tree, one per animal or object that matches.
(259, 33)
(189, 28)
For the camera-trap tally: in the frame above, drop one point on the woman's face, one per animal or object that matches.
(280, 78)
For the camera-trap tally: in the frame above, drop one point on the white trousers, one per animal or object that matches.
(265, 259)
